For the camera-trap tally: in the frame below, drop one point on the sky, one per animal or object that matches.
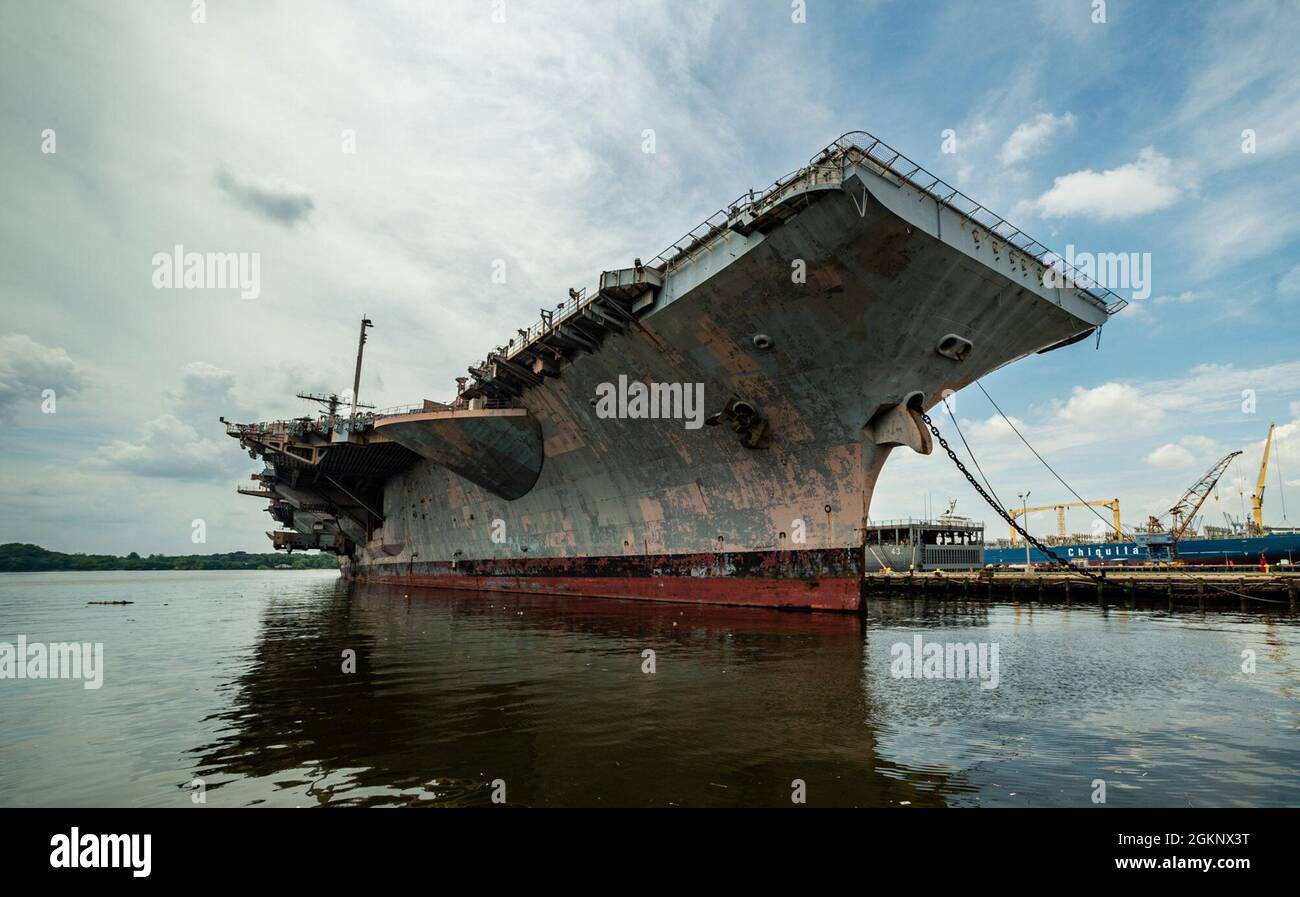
(388, 158)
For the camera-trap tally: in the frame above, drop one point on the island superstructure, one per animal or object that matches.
(819, 317)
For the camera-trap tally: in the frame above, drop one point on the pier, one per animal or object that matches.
(1245, 590)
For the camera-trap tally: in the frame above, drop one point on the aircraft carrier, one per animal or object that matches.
(816, 320)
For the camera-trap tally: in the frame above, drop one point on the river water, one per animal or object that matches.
(230, 688)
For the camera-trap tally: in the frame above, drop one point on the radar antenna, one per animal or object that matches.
(332, 401)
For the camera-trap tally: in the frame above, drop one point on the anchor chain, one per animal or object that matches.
(1002, 513)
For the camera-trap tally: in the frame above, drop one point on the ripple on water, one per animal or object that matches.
(236, 679)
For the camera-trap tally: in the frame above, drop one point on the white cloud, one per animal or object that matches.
(1106, 406)
(1184, 297)
(185, 442)
(27, 368)
(1031, 137)
(1149, 184)
(994, 430)
(206, 392)
(1185, 452)
(1171, 455)
(168, 448)
(1148, 311)
(1201, 444)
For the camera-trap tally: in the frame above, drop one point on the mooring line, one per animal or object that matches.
(1085, 503)
(997, 506)
(974, 460)
(1081, 499)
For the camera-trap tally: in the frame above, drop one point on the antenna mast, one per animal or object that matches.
(361, 347)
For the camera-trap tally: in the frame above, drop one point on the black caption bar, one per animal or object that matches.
(140, 847)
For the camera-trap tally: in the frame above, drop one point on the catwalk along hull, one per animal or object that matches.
(835, 308)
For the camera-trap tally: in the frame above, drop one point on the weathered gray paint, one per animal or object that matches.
(499, 450)
(889, 273)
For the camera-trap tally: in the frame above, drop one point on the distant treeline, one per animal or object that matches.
(16, 557)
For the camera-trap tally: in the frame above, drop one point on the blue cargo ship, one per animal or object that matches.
(1272, 548)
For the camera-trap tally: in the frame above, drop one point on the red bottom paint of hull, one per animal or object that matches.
(842, 594)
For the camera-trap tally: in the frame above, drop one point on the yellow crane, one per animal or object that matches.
(1256, 525)
(1112, 503)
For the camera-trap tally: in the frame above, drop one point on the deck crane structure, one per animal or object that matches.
(1112, 503)
(1255, 526)
(1162, 545)
(1184, 510)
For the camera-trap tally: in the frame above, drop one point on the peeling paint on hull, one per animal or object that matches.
(858, 338)
(823, 309)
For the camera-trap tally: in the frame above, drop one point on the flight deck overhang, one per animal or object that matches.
(497, 449)
(872, 174)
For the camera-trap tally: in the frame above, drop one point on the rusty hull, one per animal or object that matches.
(794, 580)
(890, 271)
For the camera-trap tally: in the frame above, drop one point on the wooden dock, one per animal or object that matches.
(1122, 585)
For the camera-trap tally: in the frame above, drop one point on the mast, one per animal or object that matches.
(361, 347)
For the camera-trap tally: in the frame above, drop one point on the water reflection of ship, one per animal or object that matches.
(453, 690)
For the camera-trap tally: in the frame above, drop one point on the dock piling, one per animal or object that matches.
(1136, 586)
